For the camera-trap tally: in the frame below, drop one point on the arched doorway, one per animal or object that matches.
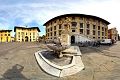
(7, 39)
(26, 39)
(22, 40)
(72, 39)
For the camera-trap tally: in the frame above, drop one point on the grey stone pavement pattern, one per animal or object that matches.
(17, 62)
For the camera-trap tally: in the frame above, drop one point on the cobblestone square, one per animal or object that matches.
(17, 62)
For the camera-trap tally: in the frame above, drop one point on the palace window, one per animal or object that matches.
(33, 36)
(48, 30)
(60, 32)
(88, 32)
(93, 32)
(65, 25)
(73, 30)
(102, 33)
(88, 26)
(73, 18)
(51, 33)
(22, 33)
(74, 24)
(60, 19)
(55, 33)
(60, 26)
(81, 31)
(94, 27)
(51, 28)
(102, 28)
(8, 34)
(54, 27)
(98, 27)
(98, 32)
(18, 32)
(81, 25)
(48, 34)
(105, 29)
(5, 34)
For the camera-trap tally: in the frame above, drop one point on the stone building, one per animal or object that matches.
(41, 38)
(113, 34)
(26, 34)
(5, 35)
(118, 37)
(92, 27)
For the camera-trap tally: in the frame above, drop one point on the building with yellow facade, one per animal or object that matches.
(5, 35)
(90, 26)
(12, 39)
(26, 34)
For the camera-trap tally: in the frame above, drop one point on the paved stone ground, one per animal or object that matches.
(17, 62)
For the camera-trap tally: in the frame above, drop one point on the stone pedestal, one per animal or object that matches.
(65, 39)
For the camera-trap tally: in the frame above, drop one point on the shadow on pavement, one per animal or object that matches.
(14, 73)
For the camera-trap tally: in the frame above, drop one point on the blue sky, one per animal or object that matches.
(37, 12)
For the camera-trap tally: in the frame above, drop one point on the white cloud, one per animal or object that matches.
(43, 11)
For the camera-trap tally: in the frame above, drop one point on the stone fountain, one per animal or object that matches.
(62, 59)
(57, 47)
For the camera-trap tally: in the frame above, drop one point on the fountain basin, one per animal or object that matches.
(54, 69)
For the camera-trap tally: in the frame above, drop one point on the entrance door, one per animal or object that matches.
(7, 39)
(72, 39)
(26, 39)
